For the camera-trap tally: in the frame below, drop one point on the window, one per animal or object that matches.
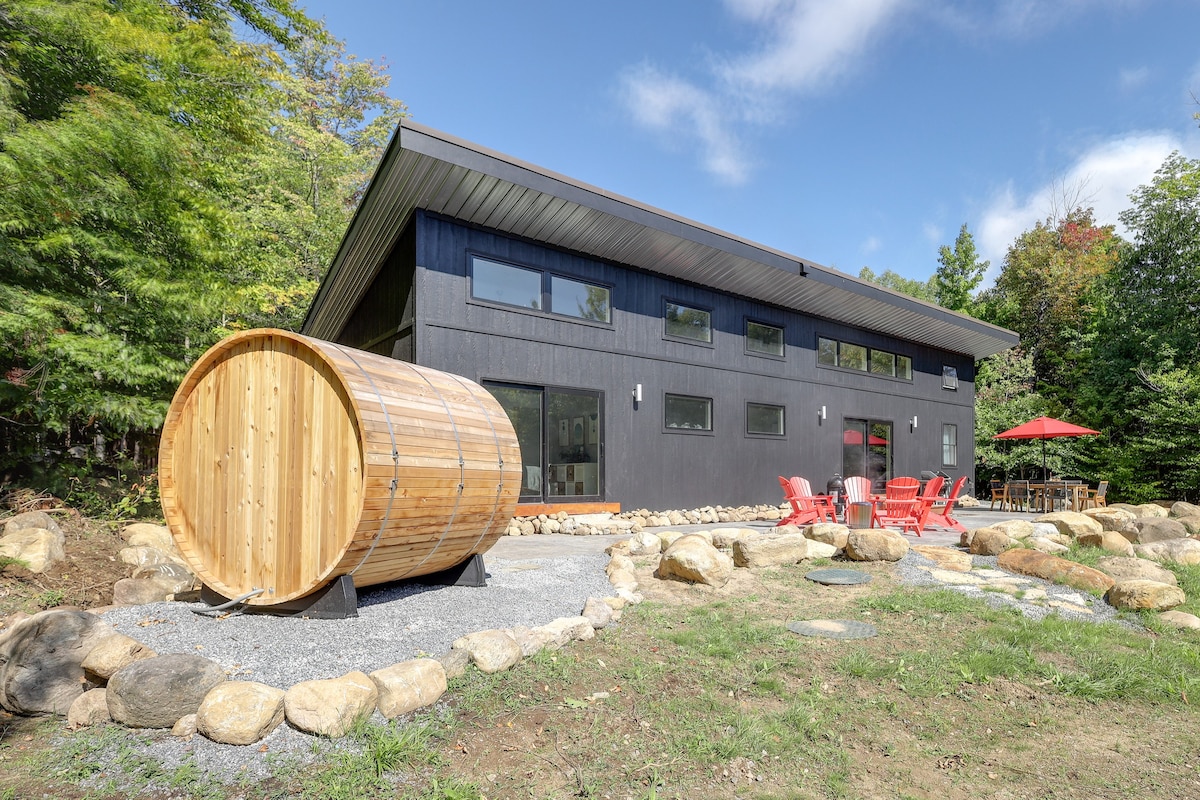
(764, 420)
(685, 322)
(504, 283)
(950, 378)
(949, 445)
(827, 352)
(832, 353)
(766, 339)
(883, 363)
(525, 288)
(681, 412)
(579, 299)
(852, 356)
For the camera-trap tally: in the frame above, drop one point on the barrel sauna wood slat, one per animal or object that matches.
(277, 467)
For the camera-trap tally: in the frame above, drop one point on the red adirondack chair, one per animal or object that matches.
(943, 518)
(928, 499)
(899, 505)
(806, 508)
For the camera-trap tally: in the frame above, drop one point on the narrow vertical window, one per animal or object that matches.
(949, 445)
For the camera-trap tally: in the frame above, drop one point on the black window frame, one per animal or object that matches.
(781, 355)
(547, 298)
(949, 378)
(712, 423)
(870, 351)
(671, 337)
(948, 427)
(763, 434)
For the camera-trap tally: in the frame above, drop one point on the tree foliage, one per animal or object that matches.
(959, 273)
(922, 290)
(162, 183)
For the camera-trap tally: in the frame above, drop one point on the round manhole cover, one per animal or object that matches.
(838, 577)
(833, 628)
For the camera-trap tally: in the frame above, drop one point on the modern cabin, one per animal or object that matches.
(645, 360)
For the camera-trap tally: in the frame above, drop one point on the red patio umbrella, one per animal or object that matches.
(1045, 428)
(851, 436)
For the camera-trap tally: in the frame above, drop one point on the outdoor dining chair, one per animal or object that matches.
(1016, 496)
(997, 488)
(1096, 497)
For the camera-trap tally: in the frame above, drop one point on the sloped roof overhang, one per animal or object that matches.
(427, 169)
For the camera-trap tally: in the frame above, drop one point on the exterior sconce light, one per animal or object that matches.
(821, 414)
(637, 393)
(913, 422)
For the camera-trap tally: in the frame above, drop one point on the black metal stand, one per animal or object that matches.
(336, 600)
(467, 573)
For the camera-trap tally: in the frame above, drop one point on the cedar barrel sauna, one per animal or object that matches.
(287, 462)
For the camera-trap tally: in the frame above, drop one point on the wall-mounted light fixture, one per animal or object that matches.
(913, 422)
(821, 414)
(637, 393)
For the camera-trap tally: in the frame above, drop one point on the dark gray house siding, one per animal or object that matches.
(644, 464)
(401, 285)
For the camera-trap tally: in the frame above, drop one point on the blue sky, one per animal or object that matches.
(847, 132)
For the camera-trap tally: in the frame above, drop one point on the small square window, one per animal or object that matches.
(685, 322)
(681, 412)
(764, 420)
(766, 339)
(950, 378)
(949, 445)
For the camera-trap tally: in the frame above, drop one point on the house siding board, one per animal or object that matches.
(646, 466)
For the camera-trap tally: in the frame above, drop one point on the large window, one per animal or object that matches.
(504, 283)
(532, 288)
(764, 420)
(764, 339)
(949, 445)
(847, 355)
(685, 322)
(950, 378)
(579, 299)
(681, 412)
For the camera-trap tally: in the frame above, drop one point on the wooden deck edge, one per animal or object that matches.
(534, 509)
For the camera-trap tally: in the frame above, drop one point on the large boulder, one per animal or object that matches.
(645, 544)
(990, 541)
(140, 591)
(564, 630)
(110, 654)
(693, 559)
(41, 660)
(1111, 518)
(37, 548)
(1055, 569)
(409, 685)
(1191, 524)
(1111, 541)
(770, 551)
(1015, 528)
(598, 613)
(1128, 569)
(146, 534)
(332, 706)
(1156, 529)
(1184, 509)
(723, 538)
(90, 708)
(34, 519)
(831, 533)
(156, 692)
(491, 650)
(1140, 595)
(239, 712)
(875, 544)
(1183, 551)
(1072, 523)
(945, 558)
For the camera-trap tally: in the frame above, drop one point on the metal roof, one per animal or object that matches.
(427, 169)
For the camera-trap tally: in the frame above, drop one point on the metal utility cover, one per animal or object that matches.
(838, 577)
(833, 628)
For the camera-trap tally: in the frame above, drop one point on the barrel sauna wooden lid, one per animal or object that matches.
(261, 466)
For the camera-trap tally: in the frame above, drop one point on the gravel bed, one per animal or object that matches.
(394, 624)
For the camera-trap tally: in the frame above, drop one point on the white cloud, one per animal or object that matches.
(1129, 79)
(933, 233)
(872, 244)
(1101, 177)
(808, 43)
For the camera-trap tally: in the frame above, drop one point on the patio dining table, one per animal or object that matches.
(1039, 497)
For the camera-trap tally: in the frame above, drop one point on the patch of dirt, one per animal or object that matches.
(84, 580)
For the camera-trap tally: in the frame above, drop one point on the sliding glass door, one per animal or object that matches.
(561, 433)
(867, 450)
